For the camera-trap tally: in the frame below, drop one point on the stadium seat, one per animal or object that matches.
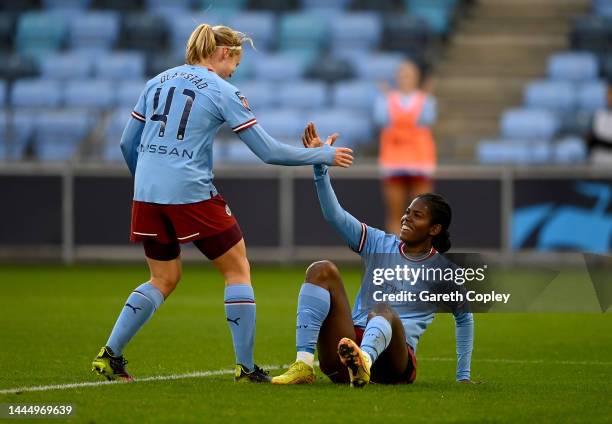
(165, 6)
(437, 17)
(357, 30)
(379, 67)
(573, 66)
(354, 128)
(3, 94)
(66, 66)
(58, 133)
(556, 96)
(602, 7)
(128, 92)
(529, 124)
(223, 7)
(330, 69)
(570, 150)
(13, 66)
(39, 33)
(7, 30)
(278, 67)
(325, 4)
(181, 26)
(592, 95)
(285, 125)
(358, 95)
(127, 65)
(592, 33)
(303, 94)
(91, 94)
(94, 31)
(405, 33)
(143, 31)
(260, 94)
(305, 31)
(260, 26)
(520, 152)
(15, 132)
(29, 93)
(113, 129)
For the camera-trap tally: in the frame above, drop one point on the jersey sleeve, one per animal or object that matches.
(374, 240)
(140, 110)
(133, 132)
(235, 108)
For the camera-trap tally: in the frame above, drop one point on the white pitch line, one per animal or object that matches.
(203, 374)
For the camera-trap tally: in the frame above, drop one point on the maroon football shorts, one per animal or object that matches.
(407, 377)
(209, 224)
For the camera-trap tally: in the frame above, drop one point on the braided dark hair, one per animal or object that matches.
(440, 214)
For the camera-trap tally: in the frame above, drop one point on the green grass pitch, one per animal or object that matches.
(53, 320)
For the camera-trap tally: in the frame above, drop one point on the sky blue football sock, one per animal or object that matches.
(240, 315)
(376, 337)
(139, 307)
(313, 307)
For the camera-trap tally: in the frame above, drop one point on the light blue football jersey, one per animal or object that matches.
(182, 109)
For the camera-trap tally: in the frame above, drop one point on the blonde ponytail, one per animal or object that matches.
(205, 39)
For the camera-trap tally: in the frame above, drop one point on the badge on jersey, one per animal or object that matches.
(243, 100)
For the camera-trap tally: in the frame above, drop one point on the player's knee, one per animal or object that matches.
(382, 309)
(166, 283)
(322, 272)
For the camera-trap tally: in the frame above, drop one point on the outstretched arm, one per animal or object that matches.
(464, 335)
(349, 228)
(130, 140)
(272, 151)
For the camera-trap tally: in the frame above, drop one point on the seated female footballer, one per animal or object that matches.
(378, 340)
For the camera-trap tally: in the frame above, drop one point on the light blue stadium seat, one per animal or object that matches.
(529, 124)
(113, 130)
(285, 125)
(354, 127)
(225, 7)
(578, 66)
(90, 94)
(64, 66)
(3, 93)
(436, 14)
(557, 96)
(165, 6)
(357, 30)
(518, 152)
(261, 95)
(302, 30)
(28, 93)
(570, 150)
(39, 33)
(260, 26)
(303, 94)
(121, 66)
(94, 30)
(355, 95)
(128, 92)
(592, 95)
(379, 67)
(602, 7)
(278, 67)
(59, 133)
(181, 25)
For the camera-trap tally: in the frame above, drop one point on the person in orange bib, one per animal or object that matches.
(407, 155)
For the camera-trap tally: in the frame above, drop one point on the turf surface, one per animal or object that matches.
(53, 320)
